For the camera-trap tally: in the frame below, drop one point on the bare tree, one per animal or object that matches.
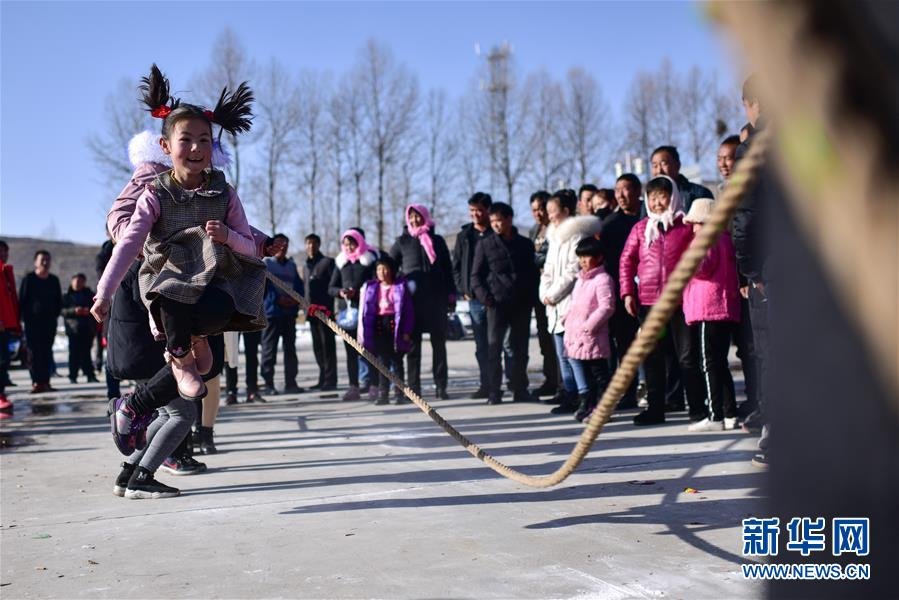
(698, 126)
(470, 156)
(640, 111)
(125, 118)
(390, 104)
(277, 122)
(551, 160)
(669, 93)
(442, 146)
(357, 152)
(310, 149)
(585, 124)
(229, 66)
(503, 117)
(337, 149)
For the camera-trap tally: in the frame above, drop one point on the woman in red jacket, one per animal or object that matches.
(9, 320)
(651, 252)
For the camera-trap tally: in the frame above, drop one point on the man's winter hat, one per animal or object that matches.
(699, 210)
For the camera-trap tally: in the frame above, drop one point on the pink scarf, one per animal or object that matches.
(361, 246)
(423, 233)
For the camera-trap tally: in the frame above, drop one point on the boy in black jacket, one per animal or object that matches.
(504, 279)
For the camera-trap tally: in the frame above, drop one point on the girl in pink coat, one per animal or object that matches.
(587, 326)
(711, 307)
(650, 254)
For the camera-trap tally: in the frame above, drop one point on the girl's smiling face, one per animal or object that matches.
(349, 244)
(190, 146)
(658, 202)
(589, 262)
(384, 273)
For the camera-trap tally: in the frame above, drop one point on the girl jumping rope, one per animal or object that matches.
(200, 275)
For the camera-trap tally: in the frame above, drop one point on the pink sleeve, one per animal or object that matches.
(260, 239)
(240, 238)
(123, 207)
(627, 265)
(129, 244)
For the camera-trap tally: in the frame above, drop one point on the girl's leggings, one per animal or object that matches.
(165, 433)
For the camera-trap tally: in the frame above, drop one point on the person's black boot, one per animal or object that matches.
(568, 406)
(121, 482)
(143, 485)
(207, 443)
(585, 407)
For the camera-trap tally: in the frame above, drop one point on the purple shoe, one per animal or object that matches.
(129, 430)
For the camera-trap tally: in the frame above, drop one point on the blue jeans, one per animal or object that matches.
(566, 366)
(478, 314)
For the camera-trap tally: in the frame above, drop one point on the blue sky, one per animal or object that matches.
(59, 61)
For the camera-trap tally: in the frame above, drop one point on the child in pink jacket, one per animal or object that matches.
(711, 307)
(651, 252)
(587, 326)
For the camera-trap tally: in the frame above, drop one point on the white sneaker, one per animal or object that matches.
(706, 425)
(730, 423)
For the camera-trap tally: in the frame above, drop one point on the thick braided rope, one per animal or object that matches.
(642, 345)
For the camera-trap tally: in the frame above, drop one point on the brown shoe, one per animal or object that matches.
(190, 384)
(202, 354)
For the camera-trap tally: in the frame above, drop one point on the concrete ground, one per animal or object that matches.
(314, 498)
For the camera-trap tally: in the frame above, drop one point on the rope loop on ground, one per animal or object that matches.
(656, 320)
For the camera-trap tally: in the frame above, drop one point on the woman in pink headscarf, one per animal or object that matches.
(424, 261)
(354, 266)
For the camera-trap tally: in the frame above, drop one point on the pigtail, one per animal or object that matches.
(154, 91)
(233, 112)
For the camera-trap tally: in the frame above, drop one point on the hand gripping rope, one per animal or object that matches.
(725, 207)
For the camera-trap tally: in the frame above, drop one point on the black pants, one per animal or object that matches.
(40, 335)
(160, 389)
(516, 321)
(758, 316)
(251, 359)
(283, 328)
(4, 360)
(385, 350)
(80, 355)
(547, 347)
(742, 339)
(677, 339)
(439, 364)
(622, 331)
(324, 347)
(208, 316)
(712, 339)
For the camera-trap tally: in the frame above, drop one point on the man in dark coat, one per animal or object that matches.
(615, 229)
(504, 277)
(750, 244)
(281, 311)
(40, 302)
(463, 257)
(317, 270)
(537, 235)
(80, 327)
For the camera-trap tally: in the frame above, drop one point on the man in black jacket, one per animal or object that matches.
(316, 272)
(615, 229)
(504, 278)
(537, 235)
(751, 246)
(40, 302)
(463, 256)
